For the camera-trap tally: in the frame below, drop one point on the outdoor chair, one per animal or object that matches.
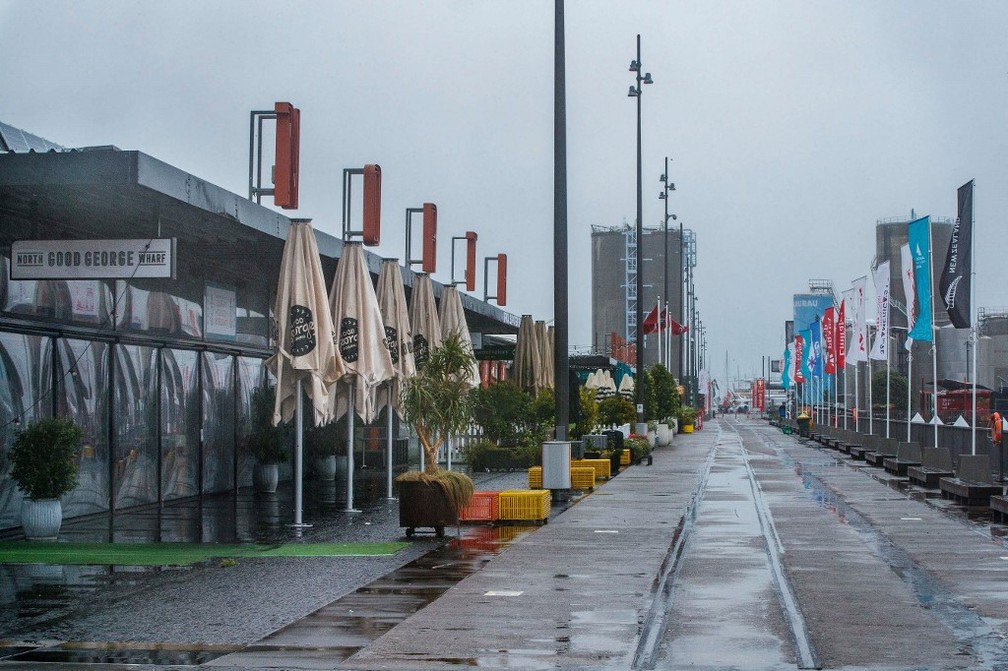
(972, 484)
(907, 455)
(936, 463)
(885, 448)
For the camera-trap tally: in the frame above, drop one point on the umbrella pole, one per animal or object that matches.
(350, 443)
(448, 450)
(298, 456)
(388, 445)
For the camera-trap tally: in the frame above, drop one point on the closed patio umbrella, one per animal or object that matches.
(453, 321)
(423, 318)
(527, 358)
(399, 338)
(361, 346)
(306, 354)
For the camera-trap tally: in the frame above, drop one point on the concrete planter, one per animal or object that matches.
(325, 467)
(664, 435)
(41, 519)
(266, 476)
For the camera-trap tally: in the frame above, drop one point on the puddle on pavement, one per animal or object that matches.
(352, 622)
(118, 655)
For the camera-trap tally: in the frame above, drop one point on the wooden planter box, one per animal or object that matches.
(423, 504)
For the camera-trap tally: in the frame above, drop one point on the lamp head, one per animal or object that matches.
(634, 66)
(662, 196)
(633, 92)
(662, 178)
(647, 78)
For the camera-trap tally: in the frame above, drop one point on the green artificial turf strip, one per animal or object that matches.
(175, 554)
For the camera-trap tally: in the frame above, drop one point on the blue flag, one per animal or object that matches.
(815, 348)
(807, 355)
(919, 236)
(786, 370)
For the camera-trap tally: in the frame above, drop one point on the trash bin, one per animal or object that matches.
(803, 425)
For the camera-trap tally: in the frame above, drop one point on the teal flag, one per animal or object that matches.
(919, 238)
(785, 376)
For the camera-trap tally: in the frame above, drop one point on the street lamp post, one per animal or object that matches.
(667, 186)
(636, 91)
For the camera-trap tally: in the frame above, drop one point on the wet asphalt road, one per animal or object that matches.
(739, 548)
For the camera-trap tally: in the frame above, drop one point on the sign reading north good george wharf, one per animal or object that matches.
(92, 259)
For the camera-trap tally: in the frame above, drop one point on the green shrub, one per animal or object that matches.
(616, 411)
(44, 458)
(268, 442)
(502, 410)
(638, 446)
(589, 413)
(687, 415)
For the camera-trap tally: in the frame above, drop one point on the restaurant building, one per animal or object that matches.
(152, 324)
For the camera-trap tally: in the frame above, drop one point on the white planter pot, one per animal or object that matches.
(652, 438)
(325, 467)
(664, 435)
(41, 519)
(266, 477)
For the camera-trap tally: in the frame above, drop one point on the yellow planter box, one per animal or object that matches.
(519, 505)
(582, 477)
(687, 428)
(603, 467)
(624, 458)
(535, 477)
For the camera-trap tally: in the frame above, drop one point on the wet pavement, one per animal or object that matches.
(739, 547)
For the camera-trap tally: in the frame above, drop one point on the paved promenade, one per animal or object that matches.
(739, 547)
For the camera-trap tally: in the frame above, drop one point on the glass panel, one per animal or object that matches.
(23, 398)
(250, 375)
(135, 405)
(65, 301)
(146, 308)
(218, 422)
(83, 396)
(180, 423)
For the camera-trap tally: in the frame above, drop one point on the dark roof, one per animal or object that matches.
(108, 193)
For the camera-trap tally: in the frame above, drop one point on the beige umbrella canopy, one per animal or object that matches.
(626, 387)
(527, 359)
(544, 340)
(423, 318)
(453, 321)
(305, 348)
(398, 334)
(360, 334)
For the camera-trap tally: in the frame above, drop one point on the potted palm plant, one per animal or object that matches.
(436, 404)
(44, 466)
(266, 440)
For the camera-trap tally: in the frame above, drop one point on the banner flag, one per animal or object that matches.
(785, 377)
(841, 336)
(672, 325)
(829, 340)
(859, 338)
(791, 363)
(919, 234)
(651, 321)
(815, 351)
(806, 358)
(799, 358)
(907, 266)
(954, 284)
(880, 348)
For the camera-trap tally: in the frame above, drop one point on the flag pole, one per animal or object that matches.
(871, 414)
(857, 400)
(909, 381)
(975, 330)
(887, 380)
(934, 339)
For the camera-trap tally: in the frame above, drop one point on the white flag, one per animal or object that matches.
(909, 291)
(880, 348)
(857, 349)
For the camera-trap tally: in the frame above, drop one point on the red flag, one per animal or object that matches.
(829, 340)
(676, 327)
(799, 347)
(841, 338)
(651, 321)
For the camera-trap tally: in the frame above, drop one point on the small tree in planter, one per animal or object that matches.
(268, 442)
(323, 444)
(436, 403)
(44, 466)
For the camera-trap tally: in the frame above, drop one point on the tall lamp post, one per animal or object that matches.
(636, 91)
(667, 186)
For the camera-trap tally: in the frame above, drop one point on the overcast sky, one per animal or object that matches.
(793, 126)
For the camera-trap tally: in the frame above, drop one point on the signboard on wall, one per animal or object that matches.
(220, 311)
(93, 259)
